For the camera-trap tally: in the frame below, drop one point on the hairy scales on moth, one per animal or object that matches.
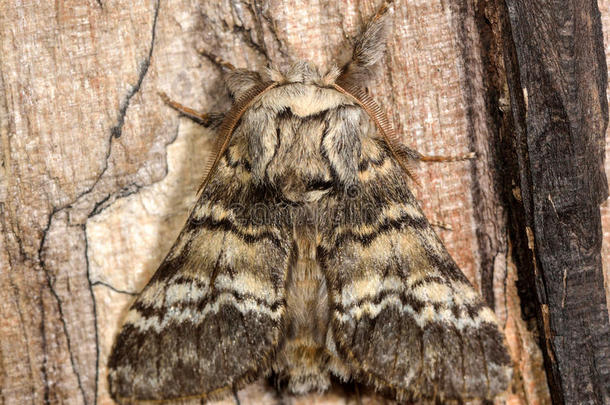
(307, 256)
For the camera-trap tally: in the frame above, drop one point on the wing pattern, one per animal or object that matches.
(404, 316)
(211, 315)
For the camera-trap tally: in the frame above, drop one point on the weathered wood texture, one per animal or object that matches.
(604, 7)
(97, 174)
(557, 80)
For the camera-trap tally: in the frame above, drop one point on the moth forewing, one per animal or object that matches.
(307, 256)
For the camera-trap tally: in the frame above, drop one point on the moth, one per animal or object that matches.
(307, 256)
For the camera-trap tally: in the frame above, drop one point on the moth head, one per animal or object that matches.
(240, 81)
(304, 73)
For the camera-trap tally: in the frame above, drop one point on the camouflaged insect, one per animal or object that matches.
(307, 256)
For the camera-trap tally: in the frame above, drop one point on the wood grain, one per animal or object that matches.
(560, 111)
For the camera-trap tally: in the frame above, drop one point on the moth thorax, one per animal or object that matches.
(304, 140)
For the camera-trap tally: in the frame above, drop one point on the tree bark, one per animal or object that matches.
(97, 174)
(558, 99)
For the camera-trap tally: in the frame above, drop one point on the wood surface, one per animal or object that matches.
(97, 174)
(559, 106)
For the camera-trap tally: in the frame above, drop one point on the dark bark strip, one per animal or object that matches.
(557, 83)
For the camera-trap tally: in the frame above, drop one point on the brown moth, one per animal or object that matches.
(305, 256)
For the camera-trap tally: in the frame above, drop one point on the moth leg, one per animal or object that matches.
(412, 154)
(441, 225)
(382, 10)
(448, 158)
(205, 120)
(238, 81)
(217, 60)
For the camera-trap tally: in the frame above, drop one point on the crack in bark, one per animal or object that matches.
(94, 303)
(246, 36)
(272, 30)
(115, 133)
(112, 197)
(505, 279)
(15, 294)
(117, 130)
(62, 319)
(246, 33)
(113, 288)
(262, 48)
(489, 241)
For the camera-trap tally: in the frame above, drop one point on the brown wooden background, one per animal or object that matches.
(97, 174)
